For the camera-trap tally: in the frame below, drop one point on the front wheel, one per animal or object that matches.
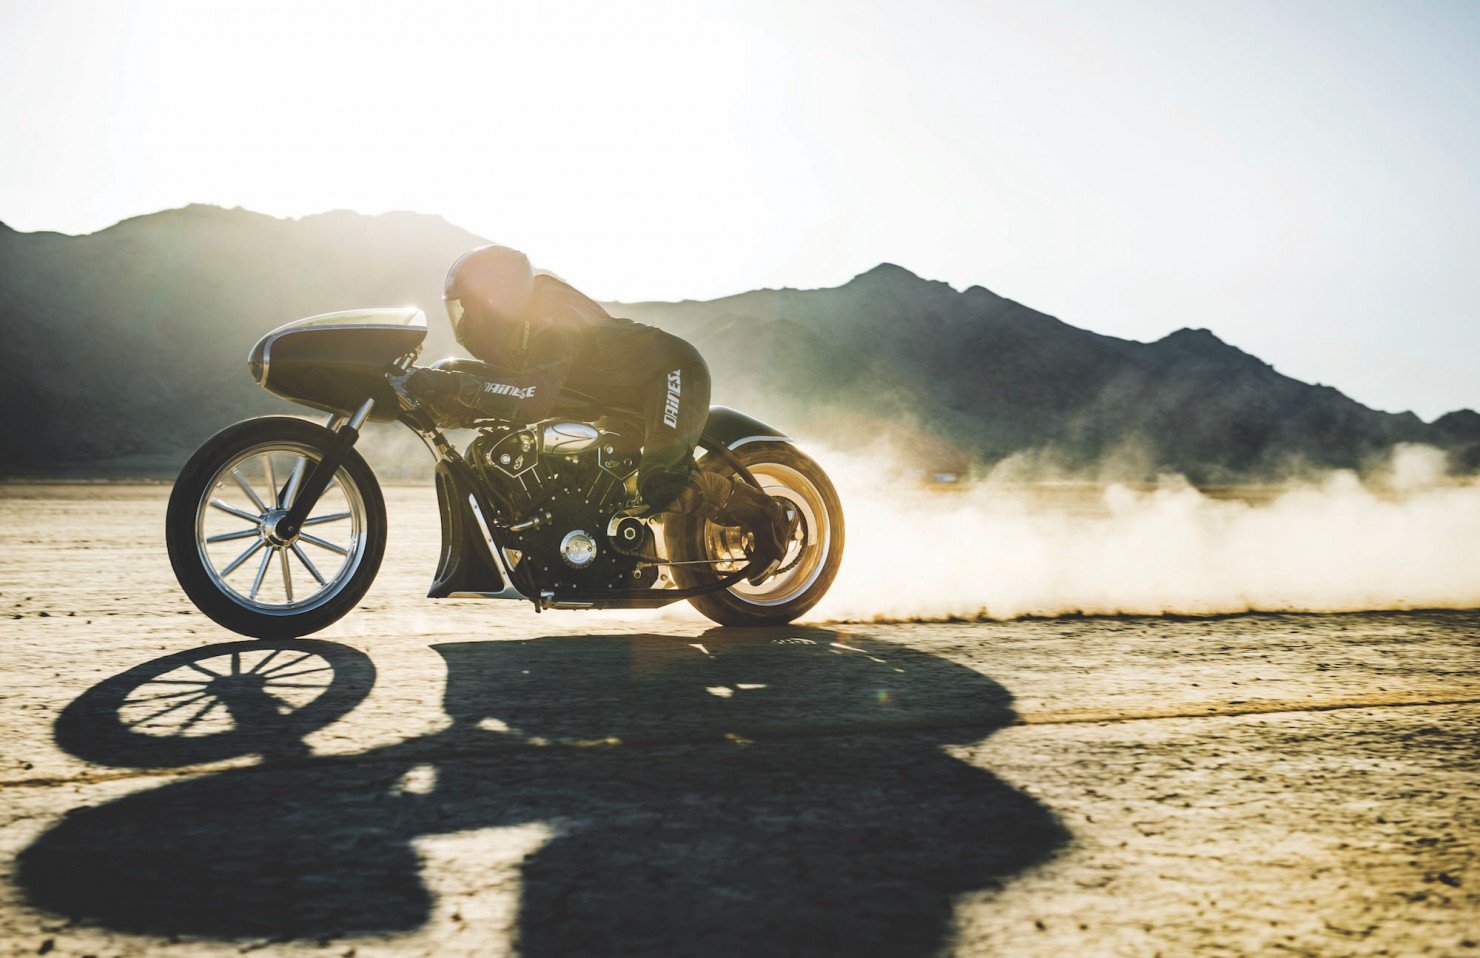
(703, 550)
(221, 530)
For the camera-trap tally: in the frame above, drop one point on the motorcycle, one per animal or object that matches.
(276, 526)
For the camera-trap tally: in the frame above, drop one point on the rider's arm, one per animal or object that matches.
(529, 394)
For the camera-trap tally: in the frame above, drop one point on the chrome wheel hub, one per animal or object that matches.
(270, 529)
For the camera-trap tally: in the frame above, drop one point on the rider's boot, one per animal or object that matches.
(772, 523)
(735, 502)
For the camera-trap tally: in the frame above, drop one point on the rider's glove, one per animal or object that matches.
(463, 394)
(432, 384)
(440, 390)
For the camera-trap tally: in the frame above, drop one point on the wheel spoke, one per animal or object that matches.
(239, 513)
(198, 690)
(247, 488)
(322, 544)
(261, 573)
(288, 664)
(199, 715)
(289, 675)
(319, 520)
(236, 563)
(272, 479)
(291, 489)
(165, 711)
(287, 574)
(265, 659)
(303, 557)
(228, 536)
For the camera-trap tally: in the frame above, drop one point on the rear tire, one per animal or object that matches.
(805, 573)
(241, 477)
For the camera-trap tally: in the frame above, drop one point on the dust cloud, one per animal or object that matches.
(1405, 537)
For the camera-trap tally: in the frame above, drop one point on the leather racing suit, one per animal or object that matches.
(566, 339)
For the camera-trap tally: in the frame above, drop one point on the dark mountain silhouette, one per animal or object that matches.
(132, 341)
(995, 378)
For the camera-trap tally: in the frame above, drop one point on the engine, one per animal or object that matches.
(561, 482)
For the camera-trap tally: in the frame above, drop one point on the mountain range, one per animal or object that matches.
(130, 342)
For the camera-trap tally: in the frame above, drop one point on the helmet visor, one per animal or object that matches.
(454, 313)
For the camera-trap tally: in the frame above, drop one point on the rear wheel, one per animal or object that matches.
(222, 536)
(812, 557)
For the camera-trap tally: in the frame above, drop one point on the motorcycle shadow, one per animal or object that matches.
(756, 792)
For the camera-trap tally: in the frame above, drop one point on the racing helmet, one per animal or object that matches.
(487, 288)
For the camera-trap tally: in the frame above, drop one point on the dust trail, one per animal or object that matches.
(1409, 539)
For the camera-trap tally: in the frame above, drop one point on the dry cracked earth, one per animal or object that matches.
(465, 778)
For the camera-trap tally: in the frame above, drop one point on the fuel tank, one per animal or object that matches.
(335, 361)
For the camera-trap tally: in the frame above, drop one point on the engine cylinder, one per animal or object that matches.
(568, 438)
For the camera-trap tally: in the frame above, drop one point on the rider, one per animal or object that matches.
(541, 334)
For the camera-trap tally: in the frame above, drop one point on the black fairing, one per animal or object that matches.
(466, 564)
(334, 368)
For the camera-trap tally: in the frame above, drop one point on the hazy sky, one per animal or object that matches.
(1301, 177)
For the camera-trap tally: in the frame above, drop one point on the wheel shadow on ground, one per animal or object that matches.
(751, 792)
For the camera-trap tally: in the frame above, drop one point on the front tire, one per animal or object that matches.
(811, 562)
(220, 530)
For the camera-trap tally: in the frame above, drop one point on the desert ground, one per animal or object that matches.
(470, 778)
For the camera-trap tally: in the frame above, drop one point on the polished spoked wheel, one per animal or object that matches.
(247, 499)
(227, 547)
(811, 560)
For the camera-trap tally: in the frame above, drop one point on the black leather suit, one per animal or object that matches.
(567, 339)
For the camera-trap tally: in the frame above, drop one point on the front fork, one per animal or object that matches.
(346, 433)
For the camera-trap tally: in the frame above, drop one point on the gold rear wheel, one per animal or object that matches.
(812, 557)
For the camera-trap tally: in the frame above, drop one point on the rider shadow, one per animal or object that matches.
(759, 792)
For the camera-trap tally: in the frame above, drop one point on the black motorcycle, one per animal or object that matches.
(276, 526)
